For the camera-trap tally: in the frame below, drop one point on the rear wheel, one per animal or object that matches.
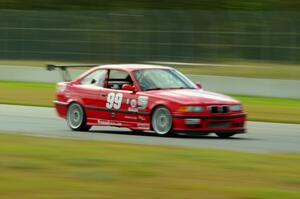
(225, 135)
(162, 121)
(76, 118)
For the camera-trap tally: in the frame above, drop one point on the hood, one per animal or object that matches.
(193, 96)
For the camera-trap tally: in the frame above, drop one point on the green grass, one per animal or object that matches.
(270, 109)
(240, 68)
(34, 167)
(258, 108)
(27, 93)
(12, 84)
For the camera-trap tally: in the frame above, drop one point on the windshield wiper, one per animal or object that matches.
(155, 88)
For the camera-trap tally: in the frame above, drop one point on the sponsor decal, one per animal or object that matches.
(132, 106)
(143, 125)
(109, 123)
(142, 102)
(133, 109)
(133, 103)
(130, 117)
(141, 118)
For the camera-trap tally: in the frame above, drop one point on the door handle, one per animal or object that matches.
(103, 95)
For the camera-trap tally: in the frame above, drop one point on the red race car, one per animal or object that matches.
(143, 98)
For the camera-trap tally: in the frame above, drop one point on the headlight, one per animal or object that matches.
(236, 107)
(196, 109)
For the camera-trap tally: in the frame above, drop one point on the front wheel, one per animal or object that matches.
(162, 121)
(76, 118)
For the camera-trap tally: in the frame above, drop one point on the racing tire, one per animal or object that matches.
(76, 118)
(225, 135)
(161, 121)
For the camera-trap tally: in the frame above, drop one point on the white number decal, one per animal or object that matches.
(114, 100)
(118, 100)
(110, 100)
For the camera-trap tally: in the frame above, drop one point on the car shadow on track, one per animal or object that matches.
(181, 136)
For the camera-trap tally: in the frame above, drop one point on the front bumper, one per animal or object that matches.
(233, 123)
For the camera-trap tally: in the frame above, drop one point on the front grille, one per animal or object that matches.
(219, 109)
(219, 124)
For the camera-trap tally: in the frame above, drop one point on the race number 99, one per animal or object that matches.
(114, 100)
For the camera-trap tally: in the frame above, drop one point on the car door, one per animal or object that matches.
(92, 95)
(121, 103)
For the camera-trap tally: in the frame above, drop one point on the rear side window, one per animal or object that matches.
(95, 78)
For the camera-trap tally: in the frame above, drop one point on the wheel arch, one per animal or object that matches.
(74, 101)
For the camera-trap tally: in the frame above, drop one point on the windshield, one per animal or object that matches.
(154, 79)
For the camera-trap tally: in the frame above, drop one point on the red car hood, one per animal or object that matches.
(192, 96)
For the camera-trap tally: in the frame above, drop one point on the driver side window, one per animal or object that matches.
(95, 78)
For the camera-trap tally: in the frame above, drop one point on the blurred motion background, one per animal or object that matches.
(137, 31)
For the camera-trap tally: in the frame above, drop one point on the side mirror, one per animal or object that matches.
(199, 85)
(128, 87)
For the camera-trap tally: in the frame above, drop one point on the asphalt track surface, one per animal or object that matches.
(40, 121)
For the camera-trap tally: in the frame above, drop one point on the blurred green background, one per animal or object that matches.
(135, 31)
